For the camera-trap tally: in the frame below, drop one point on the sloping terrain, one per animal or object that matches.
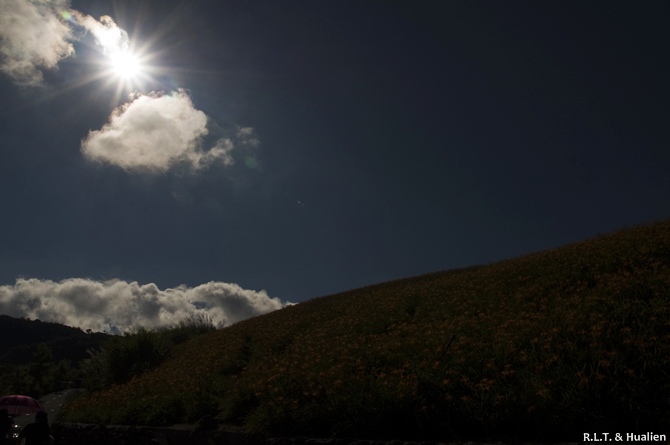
(19, 337)
(39, 357)
(544, 346)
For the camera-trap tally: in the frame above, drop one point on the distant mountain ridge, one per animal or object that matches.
(20, 336)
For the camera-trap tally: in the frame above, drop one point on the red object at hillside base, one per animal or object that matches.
(17, 405)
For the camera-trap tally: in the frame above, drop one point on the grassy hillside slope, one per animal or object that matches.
(546, 345)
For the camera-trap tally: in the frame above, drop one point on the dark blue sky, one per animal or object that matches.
(396, 138)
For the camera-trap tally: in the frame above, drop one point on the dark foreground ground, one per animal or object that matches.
(207, 432)
(83, 434)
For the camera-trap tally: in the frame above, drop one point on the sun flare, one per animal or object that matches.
(125, 65)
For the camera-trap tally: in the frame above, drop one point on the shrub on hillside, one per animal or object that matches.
(138, 351)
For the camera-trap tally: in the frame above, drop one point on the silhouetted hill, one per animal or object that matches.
(545, 346)
(20, 336)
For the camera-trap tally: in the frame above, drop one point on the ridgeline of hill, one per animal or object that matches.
(38, 357)
(545, 346)
(19, 338)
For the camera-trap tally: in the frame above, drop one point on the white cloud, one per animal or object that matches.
(221, 151)
(107, 34)
(153, 133)
(119, 305)
(36, 35)
(247, 137)
(33, 35)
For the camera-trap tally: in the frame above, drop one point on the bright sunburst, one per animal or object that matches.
(126, 65)
(126, 69)
(122, 64)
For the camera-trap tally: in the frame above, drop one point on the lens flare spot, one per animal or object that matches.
(251, 162)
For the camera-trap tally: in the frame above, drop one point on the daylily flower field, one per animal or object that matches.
(543, 346)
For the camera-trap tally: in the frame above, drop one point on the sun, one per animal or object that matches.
(118, 62)
(129, 69)
(125, 65)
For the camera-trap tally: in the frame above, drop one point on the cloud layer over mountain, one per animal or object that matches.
(117, 305)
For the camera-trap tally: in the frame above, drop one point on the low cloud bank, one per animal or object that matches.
(117, 306)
